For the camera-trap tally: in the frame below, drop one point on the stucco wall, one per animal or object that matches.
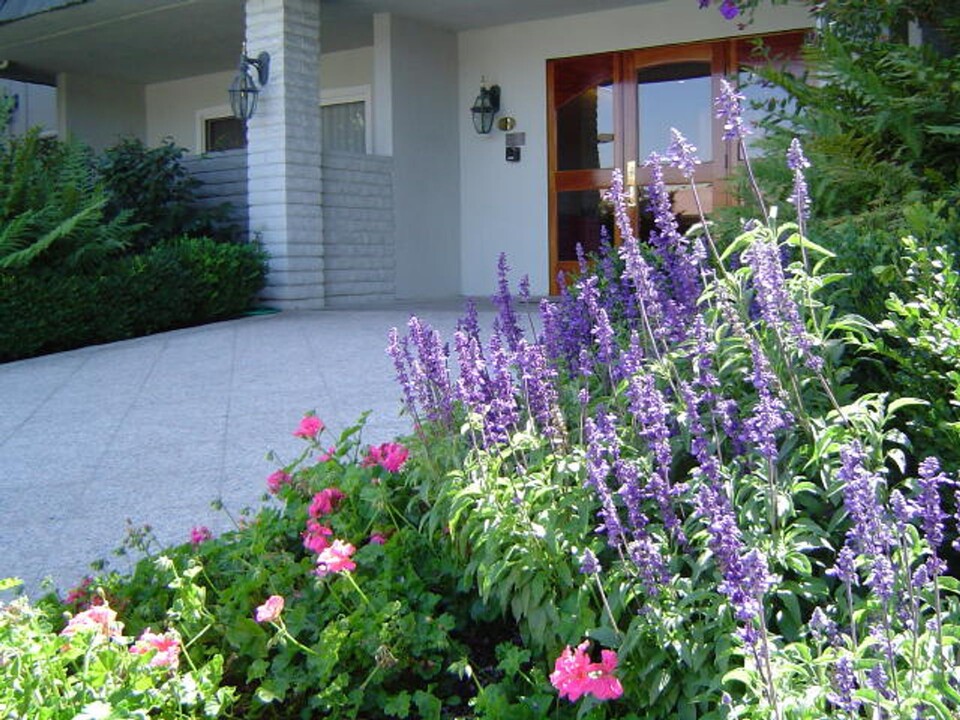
(171, 107)
(426, 158)
(100, 111)
(504, 205)
(36, 106)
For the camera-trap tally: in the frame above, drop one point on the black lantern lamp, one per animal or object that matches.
(485, 107)
(244, 90)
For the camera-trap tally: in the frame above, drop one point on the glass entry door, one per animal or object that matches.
(612, 110)
(585, 138)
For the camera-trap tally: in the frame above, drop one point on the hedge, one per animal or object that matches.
(188, 281)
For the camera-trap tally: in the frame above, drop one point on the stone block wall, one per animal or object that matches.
(358, 229)
(223, 178)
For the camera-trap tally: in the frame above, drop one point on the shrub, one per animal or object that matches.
(183, 282)
(156, 191)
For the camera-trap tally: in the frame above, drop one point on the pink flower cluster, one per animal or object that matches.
(315, 537)
(310, 427)
(277, 480)
(336, 559)
(81, 594)
(574, 675)
(389, 456)
(199, 534)
(166, 648)
(100, 619)
(270, 610)
(325, 502)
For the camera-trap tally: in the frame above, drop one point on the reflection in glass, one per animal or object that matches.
(678, 96)
(580, 216)
(683, 204)
(583, 89)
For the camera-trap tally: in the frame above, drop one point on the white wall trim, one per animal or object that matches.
(351, 94)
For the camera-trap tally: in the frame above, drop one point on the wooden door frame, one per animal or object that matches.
(725, 56)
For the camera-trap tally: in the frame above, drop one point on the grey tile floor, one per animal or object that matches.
(154, 429)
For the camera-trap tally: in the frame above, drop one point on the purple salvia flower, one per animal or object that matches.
(904, 511)
(602, 447)
(928, 499)
(430, 375)
(637, 270)
(469, 323)
(682, 155)
(399, 350)
(877, 680)
(503, 300)
(822, 627)
(524, 289)
(868, 533)
(744, 573)
(770, 415)
(589, 565)
(471, 385)
(537, 379)
(729, 108)
(845, 568)
(844, 685)
(648, 559)
(798, 163)
(502, 414)
(881, 577)
(681, 257)
(773, 298)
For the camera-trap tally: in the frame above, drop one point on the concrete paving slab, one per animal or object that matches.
(154, 429)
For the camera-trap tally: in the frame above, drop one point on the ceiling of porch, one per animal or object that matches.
(156, 40)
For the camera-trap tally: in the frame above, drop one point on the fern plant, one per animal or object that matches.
(51, 207)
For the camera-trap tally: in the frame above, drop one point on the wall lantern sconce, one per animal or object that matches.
(244, 90)
(485, 107)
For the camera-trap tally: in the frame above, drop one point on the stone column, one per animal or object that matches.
(283, 151)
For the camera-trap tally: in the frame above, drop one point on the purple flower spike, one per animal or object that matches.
(729, 108)
(844, 684)
(682, 154)
(797, 162)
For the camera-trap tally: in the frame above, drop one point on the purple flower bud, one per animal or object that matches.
(844, 685)
(729, 108)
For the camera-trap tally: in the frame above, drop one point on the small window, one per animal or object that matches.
(224, 133)
(344, 127)
(345, 119)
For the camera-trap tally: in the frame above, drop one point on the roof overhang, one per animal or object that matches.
(155, 40)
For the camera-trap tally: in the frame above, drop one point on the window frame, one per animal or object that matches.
(352, 94)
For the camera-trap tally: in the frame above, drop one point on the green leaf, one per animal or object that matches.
(398, 706)
(428, 705)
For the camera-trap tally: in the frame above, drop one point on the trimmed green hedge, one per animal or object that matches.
(184, 282)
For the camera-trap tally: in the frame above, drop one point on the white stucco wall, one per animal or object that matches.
(36, 106)
(504, 205)
(99, 111)
(172, 106)
(425, 142)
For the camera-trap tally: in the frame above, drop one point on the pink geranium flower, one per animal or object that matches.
(336, 559)
(315, 537)
(199, 534)
(166, 647)
(325, 502)
(574, 675)
(100, 619)
(270, 610)
(389, 456)
(378, 539)
(309, 427)
(330, 454)
(278, 480)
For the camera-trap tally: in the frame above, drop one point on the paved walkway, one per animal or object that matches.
(154, 429)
